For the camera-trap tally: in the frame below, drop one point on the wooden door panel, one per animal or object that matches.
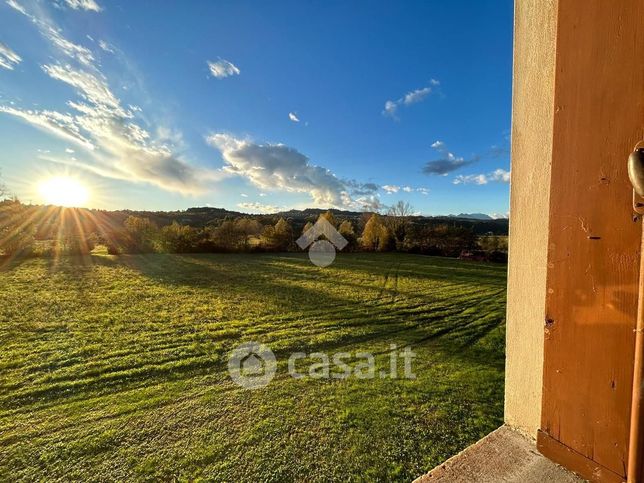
(594, 241)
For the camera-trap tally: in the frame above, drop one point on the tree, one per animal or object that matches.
(347, 231)
(278, 237)
(177, 238)
(228, 236)
(140, 236)
(397, 220)
(74, 243)
(16, 236)
(284, 234)
(329, 217)
(307, 227)
(376, 235)
(248, 228)
(445, 240)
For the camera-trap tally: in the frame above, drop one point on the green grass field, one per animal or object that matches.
(115, 368)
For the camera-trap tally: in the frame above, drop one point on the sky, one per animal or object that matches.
(259, 106)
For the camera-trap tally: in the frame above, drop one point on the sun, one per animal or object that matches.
(63, 191)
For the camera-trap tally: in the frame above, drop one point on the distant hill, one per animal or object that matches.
(208, 216)
(480, 223)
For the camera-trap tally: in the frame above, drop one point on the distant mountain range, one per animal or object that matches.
(478, 216)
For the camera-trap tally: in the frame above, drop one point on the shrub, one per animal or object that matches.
(177, 238)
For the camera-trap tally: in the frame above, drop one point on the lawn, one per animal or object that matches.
(115, 368)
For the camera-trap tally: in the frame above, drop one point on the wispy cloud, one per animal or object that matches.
(293, 117)
(52, 33)
(8, 58)
(447, 163)
(222, 68)
(413, 97)
(115, 143)
(392, 189)
(282, 168)
(105, 46)
(16, 6)
(498, 176)
(89, 5)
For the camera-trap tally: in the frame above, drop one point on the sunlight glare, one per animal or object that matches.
(63, 191)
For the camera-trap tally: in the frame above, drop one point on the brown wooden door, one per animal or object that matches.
(594, 239)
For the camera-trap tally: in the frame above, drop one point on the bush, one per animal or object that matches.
(16, 241)
(176, 238)
(140, 236)
(16, 238)
(73, 244)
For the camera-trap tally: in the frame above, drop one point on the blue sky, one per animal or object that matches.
(259, 106)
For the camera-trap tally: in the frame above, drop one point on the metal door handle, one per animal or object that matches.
(636, 175)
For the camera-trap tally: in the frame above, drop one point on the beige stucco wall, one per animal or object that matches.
(532, 121)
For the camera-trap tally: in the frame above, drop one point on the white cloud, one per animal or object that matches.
(8, 58)
(416, 96)
(116, 145)
(501, 175)
(69, 150)
(390, 109)
(89, 5)
(368, 203)
(223, 68)
(293, 117)
(391, 188)
(498, 176)
(244, 195)
(280, 167)
(412, 97)
(256, 207)
(471, 179)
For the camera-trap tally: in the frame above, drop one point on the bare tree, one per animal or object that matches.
(397, 220)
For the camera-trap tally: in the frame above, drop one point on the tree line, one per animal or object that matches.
(33, 233)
